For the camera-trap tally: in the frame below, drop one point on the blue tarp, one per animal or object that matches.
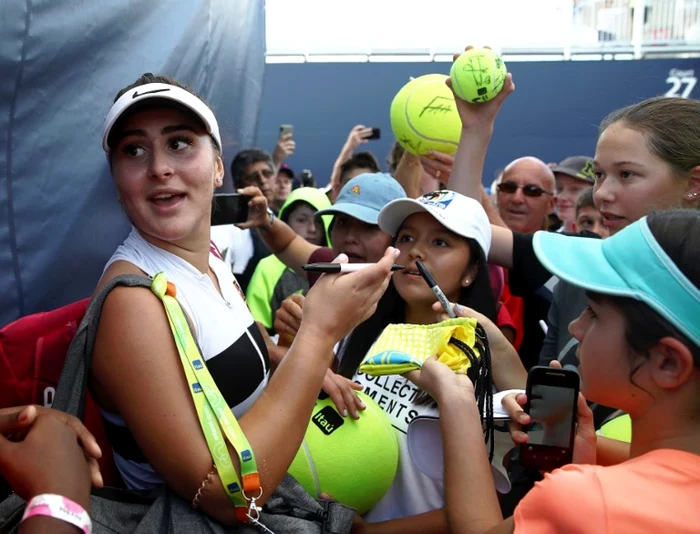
(61, 63)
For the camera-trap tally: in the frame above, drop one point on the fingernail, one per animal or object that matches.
(459, 308)
(345, 412)
(396, 252)
(362, 405)
(23, 416)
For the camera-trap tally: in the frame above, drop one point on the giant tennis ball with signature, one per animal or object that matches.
(354, 461)
(478, 75)
(424, 116)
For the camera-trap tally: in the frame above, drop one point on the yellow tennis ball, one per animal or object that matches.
(424, 116)
(354, 461)
(478, 75)
(619, 428)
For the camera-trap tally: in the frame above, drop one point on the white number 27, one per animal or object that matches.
(687, 82)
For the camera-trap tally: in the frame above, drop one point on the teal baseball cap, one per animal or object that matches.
(364, 196)
(629, 264)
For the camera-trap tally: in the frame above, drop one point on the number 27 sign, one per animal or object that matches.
(682, 82)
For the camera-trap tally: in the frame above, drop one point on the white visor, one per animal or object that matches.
(160, 91)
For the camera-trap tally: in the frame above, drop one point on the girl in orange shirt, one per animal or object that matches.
(640, 352)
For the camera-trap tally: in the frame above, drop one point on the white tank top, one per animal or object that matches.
(231, 343)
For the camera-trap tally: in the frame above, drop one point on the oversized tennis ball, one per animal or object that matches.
(424, 116)
(354, 461)
(619, 428)
(478, 75)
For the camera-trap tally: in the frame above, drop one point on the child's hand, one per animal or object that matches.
(440, 381)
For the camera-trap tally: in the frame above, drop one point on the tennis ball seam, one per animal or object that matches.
(410, 124)
(312, 467)
(455, 81)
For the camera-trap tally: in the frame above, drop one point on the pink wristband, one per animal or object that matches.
(61, 508)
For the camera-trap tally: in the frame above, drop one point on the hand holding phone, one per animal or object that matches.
(229, 208)
(375, 134)
(286, 129)
(552, 397)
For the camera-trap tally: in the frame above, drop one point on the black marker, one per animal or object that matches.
(342, 267)
(438, 292)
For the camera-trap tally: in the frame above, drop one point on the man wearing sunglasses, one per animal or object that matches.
(525, 196)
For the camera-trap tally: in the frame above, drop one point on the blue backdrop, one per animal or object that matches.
(554, 112)
(61, 64)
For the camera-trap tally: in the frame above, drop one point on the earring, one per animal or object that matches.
(466, 281)
(691, 196)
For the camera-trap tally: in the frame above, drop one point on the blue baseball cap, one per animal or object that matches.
(364, 196)
(629, 264)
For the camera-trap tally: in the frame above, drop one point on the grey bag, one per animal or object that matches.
(290, 509)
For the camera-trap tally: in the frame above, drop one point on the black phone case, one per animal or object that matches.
(229, 209)
(547, 457)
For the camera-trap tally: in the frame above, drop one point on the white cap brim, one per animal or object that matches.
(160, 91)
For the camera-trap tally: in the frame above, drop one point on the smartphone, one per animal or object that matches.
(376, 134)
(307, 178)
(229, 208)
(286, 129)
(552, 395)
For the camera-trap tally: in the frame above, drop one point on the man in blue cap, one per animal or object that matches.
(354, 230)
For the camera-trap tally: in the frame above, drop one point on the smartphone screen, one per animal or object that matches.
(552, 395)
(229, 208)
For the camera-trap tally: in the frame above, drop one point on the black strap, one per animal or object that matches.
(72, 385)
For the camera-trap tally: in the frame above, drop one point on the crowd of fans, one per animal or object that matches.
(611, 288)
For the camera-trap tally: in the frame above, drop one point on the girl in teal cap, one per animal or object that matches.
(640, 352)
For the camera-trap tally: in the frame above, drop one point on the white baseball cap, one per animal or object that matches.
(160, 91)
(462, 215)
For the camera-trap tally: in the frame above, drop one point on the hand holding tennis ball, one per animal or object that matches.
(479, 113)
(478, 75)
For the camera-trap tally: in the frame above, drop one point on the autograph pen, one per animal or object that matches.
(342, 267)
(438, 292)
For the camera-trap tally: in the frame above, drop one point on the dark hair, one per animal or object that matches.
(676, 232)
(287, 212)
(394, 157)
(361, 160)
(585, 200)
(147, 78)
(155, 78)
(248, 157)
(671, 127)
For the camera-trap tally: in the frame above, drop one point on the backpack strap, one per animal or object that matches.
(72, 386)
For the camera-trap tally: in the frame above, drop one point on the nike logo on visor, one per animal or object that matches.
(137, 94)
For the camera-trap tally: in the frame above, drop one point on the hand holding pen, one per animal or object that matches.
(330, 267)
(423, 270)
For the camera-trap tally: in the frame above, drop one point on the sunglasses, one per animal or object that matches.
(529, 190)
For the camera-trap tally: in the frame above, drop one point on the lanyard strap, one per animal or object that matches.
(214, 414)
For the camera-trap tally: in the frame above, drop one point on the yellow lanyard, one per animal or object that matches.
(214, 414)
